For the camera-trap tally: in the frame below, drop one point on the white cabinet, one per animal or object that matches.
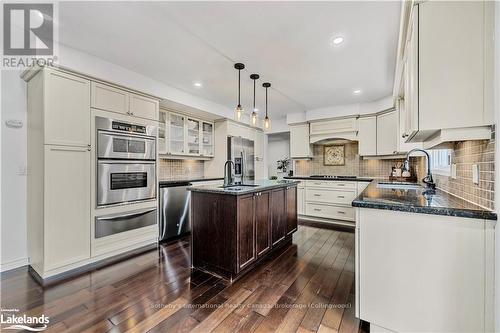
(387, 133)
(67, 206)
(109, 98)
(143, 107)
(424, 273)
(67, 115)
(207, 148)
(162, 132)
(367, 136)
(176, 134)
(299, 141)
(182, 135)
(193, 136)
(447, 79)
(301, 198)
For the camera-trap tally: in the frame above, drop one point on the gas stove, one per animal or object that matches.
(333, 177)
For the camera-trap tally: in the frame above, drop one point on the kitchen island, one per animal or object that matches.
(235, 227)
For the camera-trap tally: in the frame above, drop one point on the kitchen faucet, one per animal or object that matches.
(428, 181)
(228, 177)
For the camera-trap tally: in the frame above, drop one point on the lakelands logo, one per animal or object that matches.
(28, 34)
(23, 322)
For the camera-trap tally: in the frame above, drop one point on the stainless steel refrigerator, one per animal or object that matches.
(241, 152)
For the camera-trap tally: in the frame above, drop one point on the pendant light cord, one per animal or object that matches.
(239, 83)
(266, 102)
(254, 95)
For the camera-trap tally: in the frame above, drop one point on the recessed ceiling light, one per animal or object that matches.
(337, 40)
(198, 84)
(356, 92)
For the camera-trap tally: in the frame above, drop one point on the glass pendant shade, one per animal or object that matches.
(254, 118)
(239, 112)
(267, 123)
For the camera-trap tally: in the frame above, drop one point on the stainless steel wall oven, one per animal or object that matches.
(126, 162)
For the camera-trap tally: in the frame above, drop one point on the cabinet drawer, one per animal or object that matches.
(331, 184)
(108, 98)
(330, 212)
(330, 196)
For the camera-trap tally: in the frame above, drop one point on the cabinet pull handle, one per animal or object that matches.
(317, 209)
(405, 136)
(341, 212)
(69, 149)
(317, 195)
(340, 196)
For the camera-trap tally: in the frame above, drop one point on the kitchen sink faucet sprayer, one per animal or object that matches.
(428, 180)
(228, 176)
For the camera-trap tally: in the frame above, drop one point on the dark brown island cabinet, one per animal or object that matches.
(231, 233)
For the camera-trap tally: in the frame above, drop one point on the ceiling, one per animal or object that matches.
(287, 43)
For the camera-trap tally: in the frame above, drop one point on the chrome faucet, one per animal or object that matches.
(228, 176)
(427, 180)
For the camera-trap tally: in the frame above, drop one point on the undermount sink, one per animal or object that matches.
(400, 186)
(238, 186)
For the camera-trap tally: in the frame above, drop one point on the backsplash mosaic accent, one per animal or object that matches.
(180, 169)
(354, 164)
(465, 154)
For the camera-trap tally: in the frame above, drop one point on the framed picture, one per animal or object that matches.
(334, 155)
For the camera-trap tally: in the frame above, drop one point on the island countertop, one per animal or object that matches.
(246, 188)
(414, 201)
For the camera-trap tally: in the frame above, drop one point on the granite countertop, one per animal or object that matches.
(255, 186)
(173, 182)
(337, 178)
(414, 201)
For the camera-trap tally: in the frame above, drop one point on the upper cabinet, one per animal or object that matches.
(181, 135)
(367, 136)
(387, 133)
(299, 141)
(67, 112)
(109, 98)
(446, 69)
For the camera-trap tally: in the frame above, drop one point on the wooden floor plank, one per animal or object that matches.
(159, 292)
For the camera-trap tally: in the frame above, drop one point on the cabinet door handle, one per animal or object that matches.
(317, 195)
(317, 209)
(341, 212)
(405, 136)
(341, 184)
(317, 183)
(340, 196)
(69, 149)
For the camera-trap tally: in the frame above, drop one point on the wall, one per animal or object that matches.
(278, 148)
(466, 153)
(354, 164)
(13, 218)
(180, 169)
(497, 169)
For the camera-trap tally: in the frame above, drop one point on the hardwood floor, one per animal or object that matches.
(308, 287)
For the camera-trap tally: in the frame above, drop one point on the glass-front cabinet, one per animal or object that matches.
(207, 142)
(177, 137)
(181, 135)
(193, 136)
(162, 132)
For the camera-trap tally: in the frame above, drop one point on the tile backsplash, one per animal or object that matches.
(465, 154)
(354, 164)
(180, 169)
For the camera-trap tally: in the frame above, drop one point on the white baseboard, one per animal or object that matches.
(7, 266)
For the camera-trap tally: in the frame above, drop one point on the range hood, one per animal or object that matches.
(332, 141)
(334, 130)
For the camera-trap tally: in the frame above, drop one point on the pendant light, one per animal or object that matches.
(267, 121)
(239, 109)
(254, 77)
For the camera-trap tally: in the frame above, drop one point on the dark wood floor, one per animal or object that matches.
(157, 292)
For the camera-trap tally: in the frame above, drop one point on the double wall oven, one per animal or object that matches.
(126, 174)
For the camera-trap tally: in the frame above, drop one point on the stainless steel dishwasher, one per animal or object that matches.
(174, 210)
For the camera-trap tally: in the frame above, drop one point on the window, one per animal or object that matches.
(441, 161)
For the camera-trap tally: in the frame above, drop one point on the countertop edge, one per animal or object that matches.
(201, 189)
(359, 179)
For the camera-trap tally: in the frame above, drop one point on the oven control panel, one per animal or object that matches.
(126, 127)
